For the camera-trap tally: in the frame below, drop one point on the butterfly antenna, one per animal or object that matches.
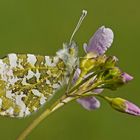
(84, 13)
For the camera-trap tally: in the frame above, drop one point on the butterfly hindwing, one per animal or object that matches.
(27, 81)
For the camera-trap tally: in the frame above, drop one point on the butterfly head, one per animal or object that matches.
(69, 55)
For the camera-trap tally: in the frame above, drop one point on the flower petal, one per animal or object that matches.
(89, 103)
(97, 91)
(100, 41)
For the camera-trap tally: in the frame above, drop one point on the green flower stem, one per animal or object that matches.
(108, 99)
(59, 103)
(28, 130)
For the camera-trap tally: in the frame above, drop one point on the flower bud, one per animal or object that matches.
(114, 78)
(126, 77)
(87, 63)
(111, 61)
(124, 106)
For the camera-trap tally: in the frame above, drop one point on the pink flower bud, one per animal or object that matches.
(126, 77)
(124, 106)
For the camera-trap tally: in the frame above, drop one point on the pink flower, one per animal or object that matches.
(97, 45)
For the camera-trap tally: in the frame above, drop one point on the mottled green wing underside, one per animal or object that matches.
(27, 81)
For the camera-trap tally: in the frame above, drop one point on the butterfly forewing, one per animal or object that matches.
(27, 81)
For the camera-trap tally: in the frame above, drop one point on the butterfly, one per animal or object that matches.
(28, 81)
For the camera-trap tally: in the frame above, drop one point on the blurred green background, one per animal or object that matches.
(40, 27)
